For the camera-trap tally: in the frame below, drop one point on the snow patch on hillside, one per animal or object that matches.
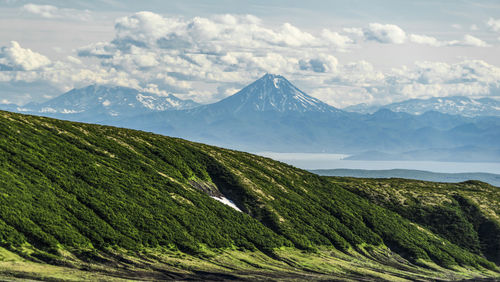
(226, 201)
(276, 82)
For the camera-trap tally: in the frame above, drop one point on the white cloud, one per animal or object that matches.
(385, 33)
(431, 79)
(45, 11)
(493, 24)
(360, 73)
(143, 28)
(359, 82)
(426, 40)
(53, 12)
(340, 41)
(220, 49)
(470, 40)
(320, 64)
(292, 36)
(17, 58)
(353, 30)
(74, 60)
(98, 50)
(207, 59)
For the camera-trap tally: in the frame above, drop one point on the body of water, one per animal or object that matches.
(335, 161)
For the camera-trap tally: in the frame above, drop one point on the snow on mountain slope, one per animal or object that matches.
(109, 100)
(273, 93)
(457, 105)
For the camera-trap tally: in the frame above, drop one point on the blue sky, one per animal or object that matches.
(343, 52)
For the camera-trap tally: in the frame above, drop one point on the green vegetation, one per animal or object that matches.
(75, 195)
(467, 213)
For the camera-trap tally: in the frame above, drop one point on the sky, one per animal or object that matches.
(342, 52)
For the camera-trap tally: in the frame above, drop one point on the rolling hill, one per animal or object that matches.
(86, 202)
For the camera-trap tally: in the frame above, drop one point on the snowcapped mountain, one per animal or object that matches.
(98, 101)
(272, 93)
(269, 111)
(271, 114)
(457, 105)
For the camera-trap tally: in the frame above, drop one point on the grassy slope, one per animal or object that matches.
(491, 178)
(467, 213)
(125, 203)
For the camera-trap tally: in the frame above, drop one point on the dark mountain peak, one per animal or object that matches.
(106, 88)
(271, 76)
(274, 81)
(388, 114)
(275, 93)
(274, 78)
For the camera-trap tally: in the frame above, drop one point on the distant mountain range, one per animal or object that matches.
(99, 103)
(271, 114)
(457, 105)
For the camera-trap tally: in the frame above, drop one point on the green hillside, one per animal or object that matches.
(467, 213)
(81, 201)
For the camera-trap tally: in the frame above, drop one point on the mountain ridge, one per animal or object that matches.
(454, 105)
(250, 120)
(271, 114)
(96, 103)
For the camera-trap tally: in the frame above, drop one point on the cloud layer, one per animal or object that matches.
(14, 57)
(208, 58)
(53, 12)
(385, 33)
(493, 24)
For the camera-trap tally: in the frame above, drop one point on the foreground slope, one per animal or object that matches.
(130, 204)
(467, 213)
